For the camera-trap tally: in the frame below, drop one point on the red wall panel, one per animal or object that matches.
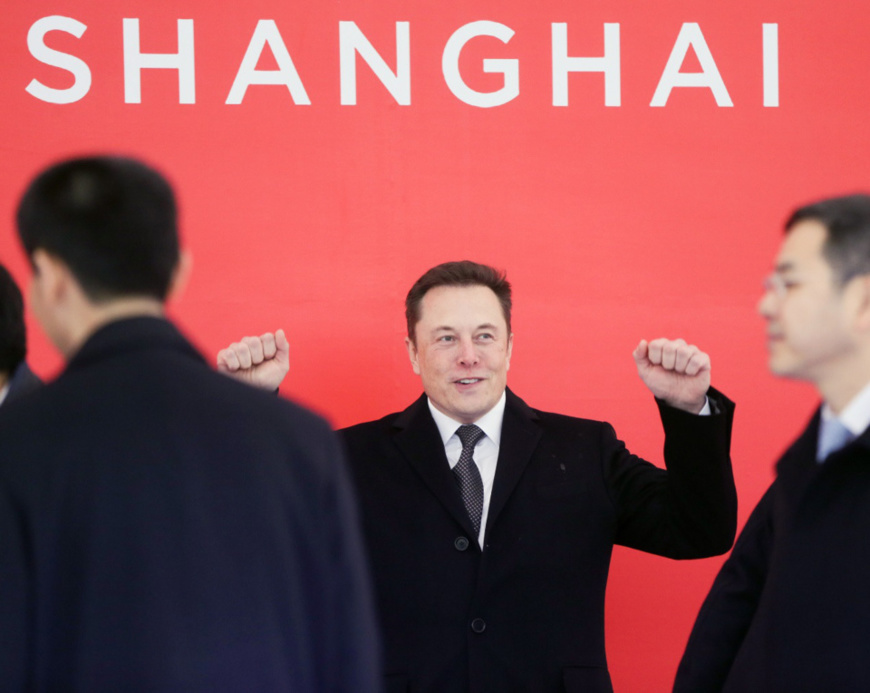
(613, 222)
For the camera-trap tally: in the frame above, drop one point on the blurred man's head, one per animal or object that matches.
(13, 336)
(817, 300)
(108, 224)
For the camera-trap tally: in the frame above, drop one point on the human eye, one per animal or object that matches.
(445, 338)
(781, 284)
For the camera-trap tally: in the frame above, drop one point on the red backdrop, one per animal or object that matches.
(616, 219)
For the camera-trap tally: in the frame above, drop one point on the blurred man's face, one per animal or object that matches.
(810, 330)
(461, 350)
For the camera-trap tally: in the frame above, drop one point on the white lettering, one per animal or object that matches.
(691, 36)
(80, 71)
(770, 37)
(609, 65)
(353, 42)
(135, 62)
(510, 68)
(267, 32)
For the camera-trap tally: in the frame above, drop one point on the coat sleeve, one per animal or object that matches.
(728, 610)
(690, 510)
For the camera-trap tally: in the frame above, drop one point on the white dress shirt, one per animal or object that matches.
(485, 452)
(855, 415)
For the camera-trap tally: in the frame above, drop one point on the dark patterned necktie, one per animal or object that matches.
(468, 476)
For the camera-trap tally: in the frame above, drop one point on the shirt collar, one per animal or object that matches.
(489, 423)
(4, 391)
(856, 415)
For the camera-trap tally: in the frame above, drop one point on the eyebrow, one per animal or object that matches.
(484, 326)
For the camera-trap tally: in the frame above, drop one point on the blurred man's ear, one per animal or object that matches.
(180, 276)
(51, 277)
(54, 297)
(862, 317)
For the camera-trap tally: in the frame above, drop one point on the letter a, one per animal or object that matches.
(691, 36)
(267, 32)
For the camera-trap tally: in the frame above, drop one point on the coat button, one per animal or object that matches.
(478, 625)
(460, 543)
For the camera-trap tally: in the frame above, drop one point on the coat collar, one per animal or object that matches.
(129, 335)
(802, 453)
(23, 380)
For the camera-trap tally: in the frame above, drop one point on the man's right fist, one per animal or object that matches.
(261, 361)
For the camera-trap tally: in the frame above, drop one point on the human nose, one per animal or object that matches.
(468, 353)
(773, 292)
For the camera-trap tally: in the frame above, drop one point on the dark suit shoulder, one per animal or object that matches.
(365, 428)
(563, 422)
(391, 423)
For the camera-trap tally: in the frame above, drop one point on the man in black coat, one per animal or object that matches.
(490, 524)
(162, 528)
(16, 378)
(789, 610)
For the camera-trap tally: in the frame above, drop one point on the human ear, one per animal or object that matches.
(510, 349)
(180, 275)
(412, 354)
(861, 290)
(50, 277)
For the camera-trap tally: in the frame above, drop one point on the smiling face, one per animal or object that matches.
(811, 317)
(461, 350)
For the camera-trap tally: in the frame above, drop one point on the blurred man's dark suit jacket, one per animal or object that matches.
(22, 381)
(165, 528)
(525, 615)
(789, 611)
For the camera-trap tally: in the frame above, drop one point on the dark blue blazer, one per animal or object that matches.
(526, 614)
(22, 381)
(790, 608)
(164, 528)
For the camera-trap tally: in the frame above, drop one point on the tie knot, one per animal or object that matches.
(469, 434)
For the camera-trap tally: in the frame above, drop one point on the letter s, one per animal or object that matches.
(79, 68)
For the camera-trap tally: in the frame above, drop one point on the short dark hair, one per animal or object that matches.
(13, 334)
(462, 273)
(111, 220)
(847, 220)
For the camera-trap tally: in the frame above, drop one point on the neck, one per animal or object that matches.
(839, 388)
(95, 316)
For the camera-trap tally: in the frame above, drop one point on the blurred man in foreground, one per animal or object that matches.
(16, 378)
(145, 543)
(490, 524)
(789, 610)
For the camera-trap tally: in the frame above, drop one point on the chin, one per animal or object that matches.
(784, 371)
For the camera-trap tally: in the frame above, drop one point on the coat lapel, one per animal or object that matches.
(420, 443)
(519, 438)
(798, 467)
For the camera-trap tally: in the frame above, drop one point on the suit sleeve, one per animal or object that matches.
(729, 608)
(690, 510)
